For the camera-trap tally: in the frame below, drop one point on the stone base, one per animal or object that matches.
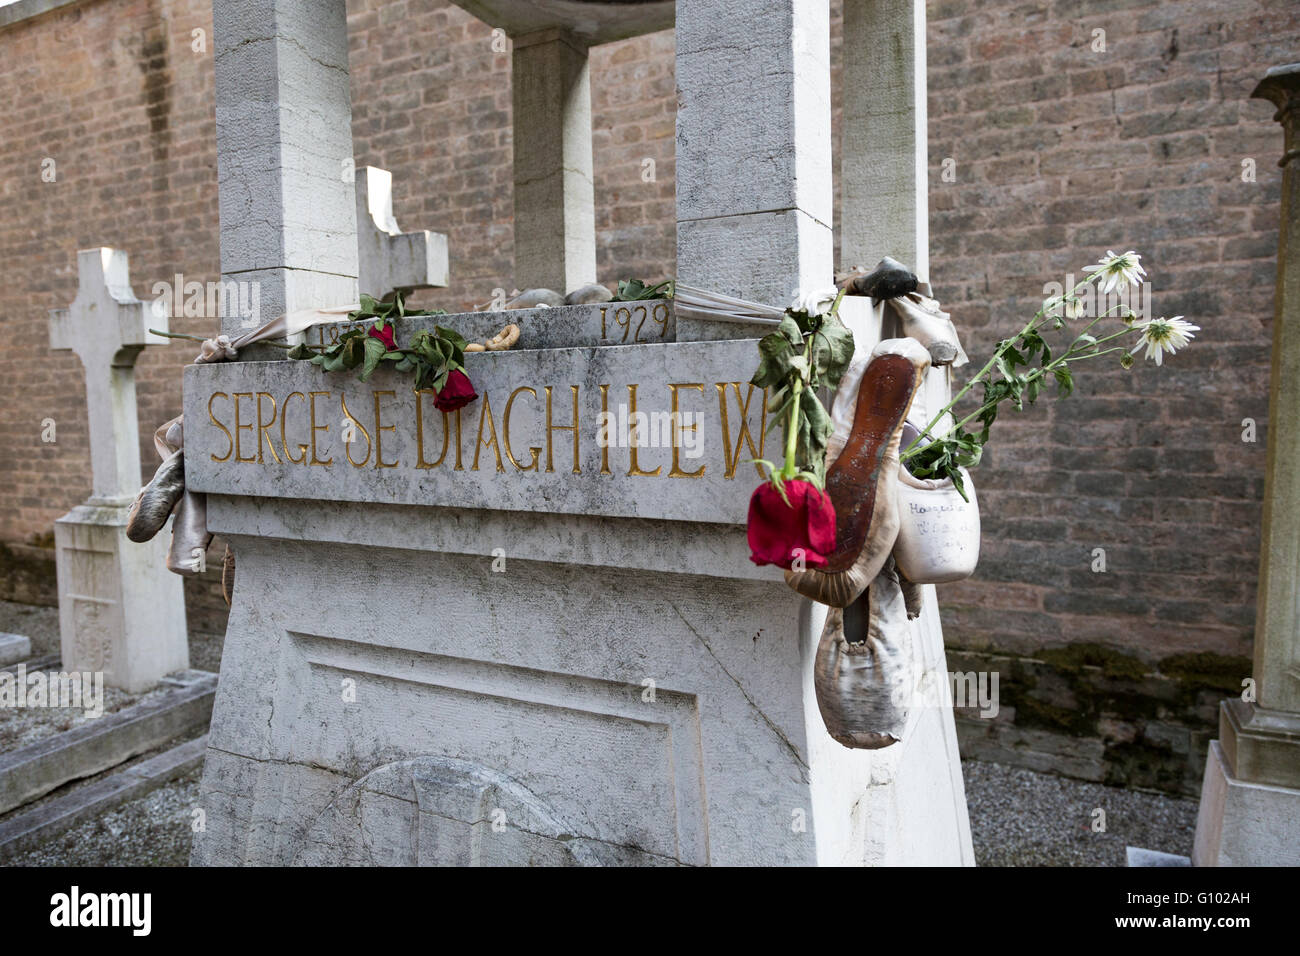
(610, 692)
(1245, 824)
(120, 610)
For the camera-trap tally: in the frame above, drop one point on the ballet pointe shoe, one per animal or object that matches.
(862, 674)
(863, 480)
(190, 536)
(153, 505)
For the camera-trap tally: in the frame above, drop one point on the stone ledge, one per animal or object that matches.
(26, 9)
(24, 831)
(35, 770)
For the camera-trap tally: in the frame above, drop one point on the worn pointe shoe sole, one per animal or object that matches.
(863, 480)
(154, 504)
(863, 669)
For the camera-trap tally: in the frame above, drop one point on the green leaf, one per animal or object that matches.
(375, 351)
(1064, 380)
(450, 335)
(368, 305)
(790, 331)
(631, 290)
(819, 421)
(839, 340)
(301, 351)
(773, 361)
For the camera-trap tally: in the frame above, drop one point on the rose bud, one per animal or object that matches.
(457, 393)
(388, 336)
(781, 533)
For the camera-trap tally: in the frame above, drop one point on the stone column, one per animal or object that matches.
(120, 610)
(1250, 801)
(883, 164)
(754, 191)
(555, 217)
(284, 154)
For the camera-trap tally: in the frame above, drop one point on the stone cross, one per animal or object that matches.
(108, 327)
(389, 259)
(121, 612)
(1250, 798)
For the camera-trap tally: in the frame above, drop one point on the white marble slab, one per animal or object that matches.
(498, 452)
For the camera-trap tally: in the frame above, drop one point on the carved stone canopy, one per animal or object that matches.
(595, 21)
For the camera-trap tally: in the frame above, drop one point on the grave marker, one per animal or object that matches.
(120, 610)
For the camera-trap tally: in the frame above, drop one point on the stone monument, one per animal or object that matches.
(1250, 800)
(120, 610)
(485, 636)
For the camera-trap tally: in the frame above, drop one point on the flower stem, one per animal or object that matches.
(789, 469)
(177, 335)
(914, 446)
(1071, 355)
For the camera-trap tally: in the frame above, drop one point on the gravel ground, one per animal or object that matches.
(1022, 818)
(20, 726)
(205, 651)
(41, 624)
(1018, 818)
(151, 831)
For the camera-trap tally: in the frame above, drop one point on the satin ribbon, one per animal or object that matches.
(224, 349)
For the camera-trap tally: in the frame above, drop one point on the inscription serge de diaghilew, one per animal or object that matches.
(704, 426)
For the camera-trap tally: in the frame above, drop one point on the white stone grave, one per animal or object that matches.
(483, 638)
(120, 610)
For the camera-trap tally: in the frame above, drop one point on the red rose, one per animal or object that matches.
(388, 336)
(781, 533)
(457, 393)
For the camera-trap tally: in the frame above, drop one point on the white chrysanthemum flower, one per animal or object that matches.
(818, 302)
(1115, 270)
(1165, 335)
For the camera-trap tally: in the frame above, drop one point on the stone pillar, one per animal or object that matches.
(120, 610)
(754, 191)
(1250, 801)
(284, 154)
(391, 260)
(883, 166)
(555, 217)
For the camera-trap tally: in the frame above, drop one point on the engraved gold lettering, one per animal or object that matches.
(459, 464)
(213, 418)
(284, 443)
(263, 435)
(505, 432)
(485, 414)
(347, 447)
(743, 433)
(604, 415)
(315, 459)
(240, 427)
(551, 428)
(634, 436)
(380, 428)
(419, 432)
(679, 428)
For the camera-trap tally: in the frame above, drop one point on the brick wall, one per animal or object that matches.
(1060, 151)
